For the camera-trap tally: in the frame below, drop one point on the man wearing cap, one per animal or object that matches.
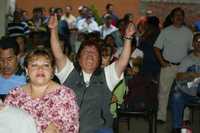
(81, 11)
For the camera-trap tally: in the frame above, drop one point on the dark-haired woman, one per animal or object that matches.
(92, 84)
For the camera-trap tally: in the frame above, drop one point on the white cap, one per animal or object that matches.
(80, 7)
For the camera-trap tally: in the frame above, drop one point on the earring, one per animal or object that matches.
(27, 77)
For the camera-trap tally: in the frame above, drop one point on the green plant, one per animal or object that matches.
(96, 15)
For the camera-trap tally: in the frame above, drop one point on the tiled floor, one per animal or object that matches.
(139, 125)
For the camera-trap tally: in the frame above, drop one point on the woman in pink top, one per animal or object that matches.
(52, 105)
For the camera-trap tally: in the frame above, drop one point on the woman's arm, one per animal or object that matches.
(122, 62)
(60, 57)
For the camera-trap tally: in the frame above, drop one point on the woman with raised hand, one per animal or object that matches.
(92, 84)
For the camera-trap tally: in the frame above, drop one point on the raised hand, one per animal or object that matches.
(130, 30)
(53, 22)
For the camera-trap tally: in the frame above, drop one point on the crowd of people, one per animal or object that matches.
(69, 73)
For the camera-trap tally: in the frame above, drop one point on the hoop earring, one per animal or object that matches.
(27, 77)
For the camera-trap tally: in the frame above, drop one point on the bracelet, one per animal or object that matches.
(128, 38)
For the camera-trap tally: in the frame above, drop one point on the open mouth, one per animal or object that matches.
(40, 75)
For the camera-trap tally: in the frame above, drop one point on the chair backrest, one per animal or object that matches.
(142, 94)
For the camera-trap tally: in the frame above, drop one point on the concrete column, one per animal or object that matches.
(7, 8)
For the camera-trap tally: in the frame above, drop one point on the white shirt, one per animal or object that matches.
(71, 20)
(111, 76)
(174, 43)
(137, 53)
(13, 120)
(83, 26)
(104, 30)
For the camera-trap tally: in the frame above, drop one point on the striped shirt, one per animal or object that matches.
(18, 29)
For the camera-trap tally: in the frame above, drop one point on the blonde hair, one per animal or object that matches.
(39, 52)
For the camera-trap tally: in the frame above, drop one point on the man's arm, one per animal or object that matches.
(158, 46)
(159, 57)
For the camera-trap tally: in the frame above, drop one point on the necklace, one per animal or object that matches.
(35, 95)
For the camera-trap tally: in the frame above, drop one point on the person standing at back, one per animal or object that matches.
(110, 10)
(173, 43)
(69, 17)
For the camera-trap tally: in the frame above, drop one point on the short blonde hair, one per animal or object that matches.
(39, 52)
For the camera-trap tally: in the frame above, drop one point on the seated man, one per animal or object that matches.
(11, 75)
(14, 120)
(188, 71)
